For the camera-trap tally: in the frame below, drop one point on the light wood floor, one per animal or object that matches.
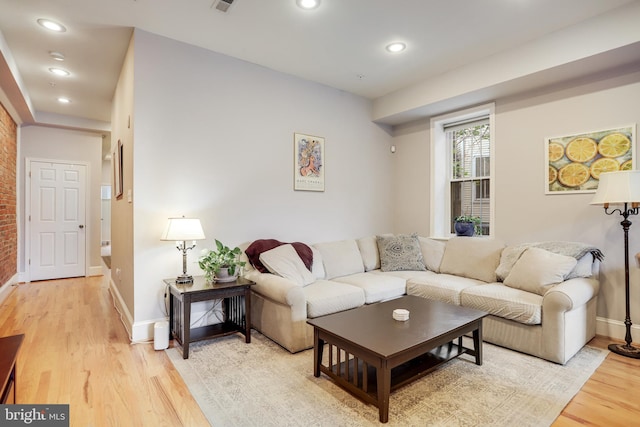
(77, 351)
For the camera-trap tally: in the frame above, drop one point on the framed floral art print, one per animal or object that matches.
(309, 162)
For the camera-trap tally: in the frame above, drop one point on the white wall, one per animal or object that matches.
(67, 145)
(585, 48)
(523, 212)
(213, 139)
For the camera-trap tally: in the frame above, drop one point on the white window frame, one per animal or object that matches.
(440, 153)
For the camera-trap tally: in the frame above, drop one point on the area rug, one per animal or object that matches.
(261, 384)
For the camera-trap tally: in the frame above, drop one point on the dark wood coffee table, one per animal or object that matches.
(371, 354)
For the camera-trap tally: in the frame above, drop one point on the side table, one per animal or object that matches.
(236, 309)
(9, 348)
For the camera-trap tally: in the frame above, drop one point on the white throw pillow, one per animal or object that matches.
(584, 267)
(285, 261)
(472, 257)
(432, 252)
(340, 258)
(538, 270)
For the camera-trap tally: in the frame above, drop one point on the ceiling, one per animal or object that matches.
(340, 44)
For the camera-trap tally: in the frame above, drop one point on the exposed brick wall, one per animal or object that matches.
(8, 220)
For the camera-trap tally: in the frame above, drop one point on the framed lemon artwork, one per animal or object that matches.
(575, 162)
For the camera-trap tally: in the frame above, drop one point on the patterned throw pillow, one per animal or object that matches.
(400, 252)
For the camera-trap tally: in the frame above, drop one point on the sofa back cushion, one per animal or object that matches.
(317, 268)
(340, 258)
(432, 252)
(584, 267)
(284, 261)
(368, 247)
(473, 257)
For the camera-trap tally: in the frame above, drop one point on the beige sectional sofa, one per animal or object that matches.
(541, 297)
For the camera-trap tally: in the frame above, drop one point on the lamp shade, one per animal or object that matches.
(618, 187)
(183, 229)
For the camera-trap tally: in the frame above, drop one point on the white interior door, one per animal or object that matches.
(57, 220)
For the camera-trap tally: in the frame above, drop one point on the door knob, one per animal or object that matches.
(81, 226)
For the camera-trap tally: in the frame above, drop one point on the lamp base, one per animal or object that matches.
(625, 350)
(184, 278)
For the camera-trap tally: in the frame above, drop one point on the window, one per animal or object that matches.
(461, 169)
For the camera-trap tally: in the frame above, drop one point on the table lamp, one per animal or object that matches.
(180, 230)
(621, 188)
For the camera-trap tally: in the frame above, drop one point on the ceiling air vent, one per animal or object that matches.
(223, 5)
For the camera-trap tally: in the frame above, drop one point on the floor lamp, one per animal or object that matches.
(621, 188)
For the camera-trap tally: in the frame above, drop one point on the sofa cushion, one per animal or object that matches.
(432, 252)
(537, 270)
(284, 261)
(400, 252)
(262, 245)
(503, 301)
(317, 267)
(440, 287)
(340, 258)
(327, 297)
(473, 257)
(406, 275)
(583, 268)
(368, 247)
(376, 287)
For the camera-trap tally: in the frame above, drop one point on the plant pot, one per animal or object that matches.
(223, 276)
(464, 228)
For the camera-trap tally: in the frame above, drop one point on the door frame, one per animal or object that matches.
(27, 206)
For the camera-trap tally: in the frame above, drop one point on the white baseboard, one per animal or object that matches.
(6, 287)
(96, 271)
(121, 307)
(616, 329)
(138, 331)
(143, 331)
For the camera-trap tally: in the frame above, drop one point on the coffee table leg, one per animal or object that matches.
(318, 347)
(384, 389)
(477, 343)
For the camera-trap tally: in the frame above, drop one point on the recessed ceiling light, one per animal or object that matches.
(59, 72)
(56, 55)
(63, 100)
(396, 47)
(308, 4)
(52, 25)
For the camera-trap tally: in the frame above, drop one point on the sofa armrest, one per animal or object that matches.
(570, 294)
(280, 290)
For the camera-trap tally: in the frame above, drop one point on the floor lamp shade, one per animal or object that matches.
(180, 230)
(621, 188)
(618, 187)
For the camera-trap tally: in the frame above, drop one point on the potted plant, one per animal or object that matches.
(222, 264)
(466, 225)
